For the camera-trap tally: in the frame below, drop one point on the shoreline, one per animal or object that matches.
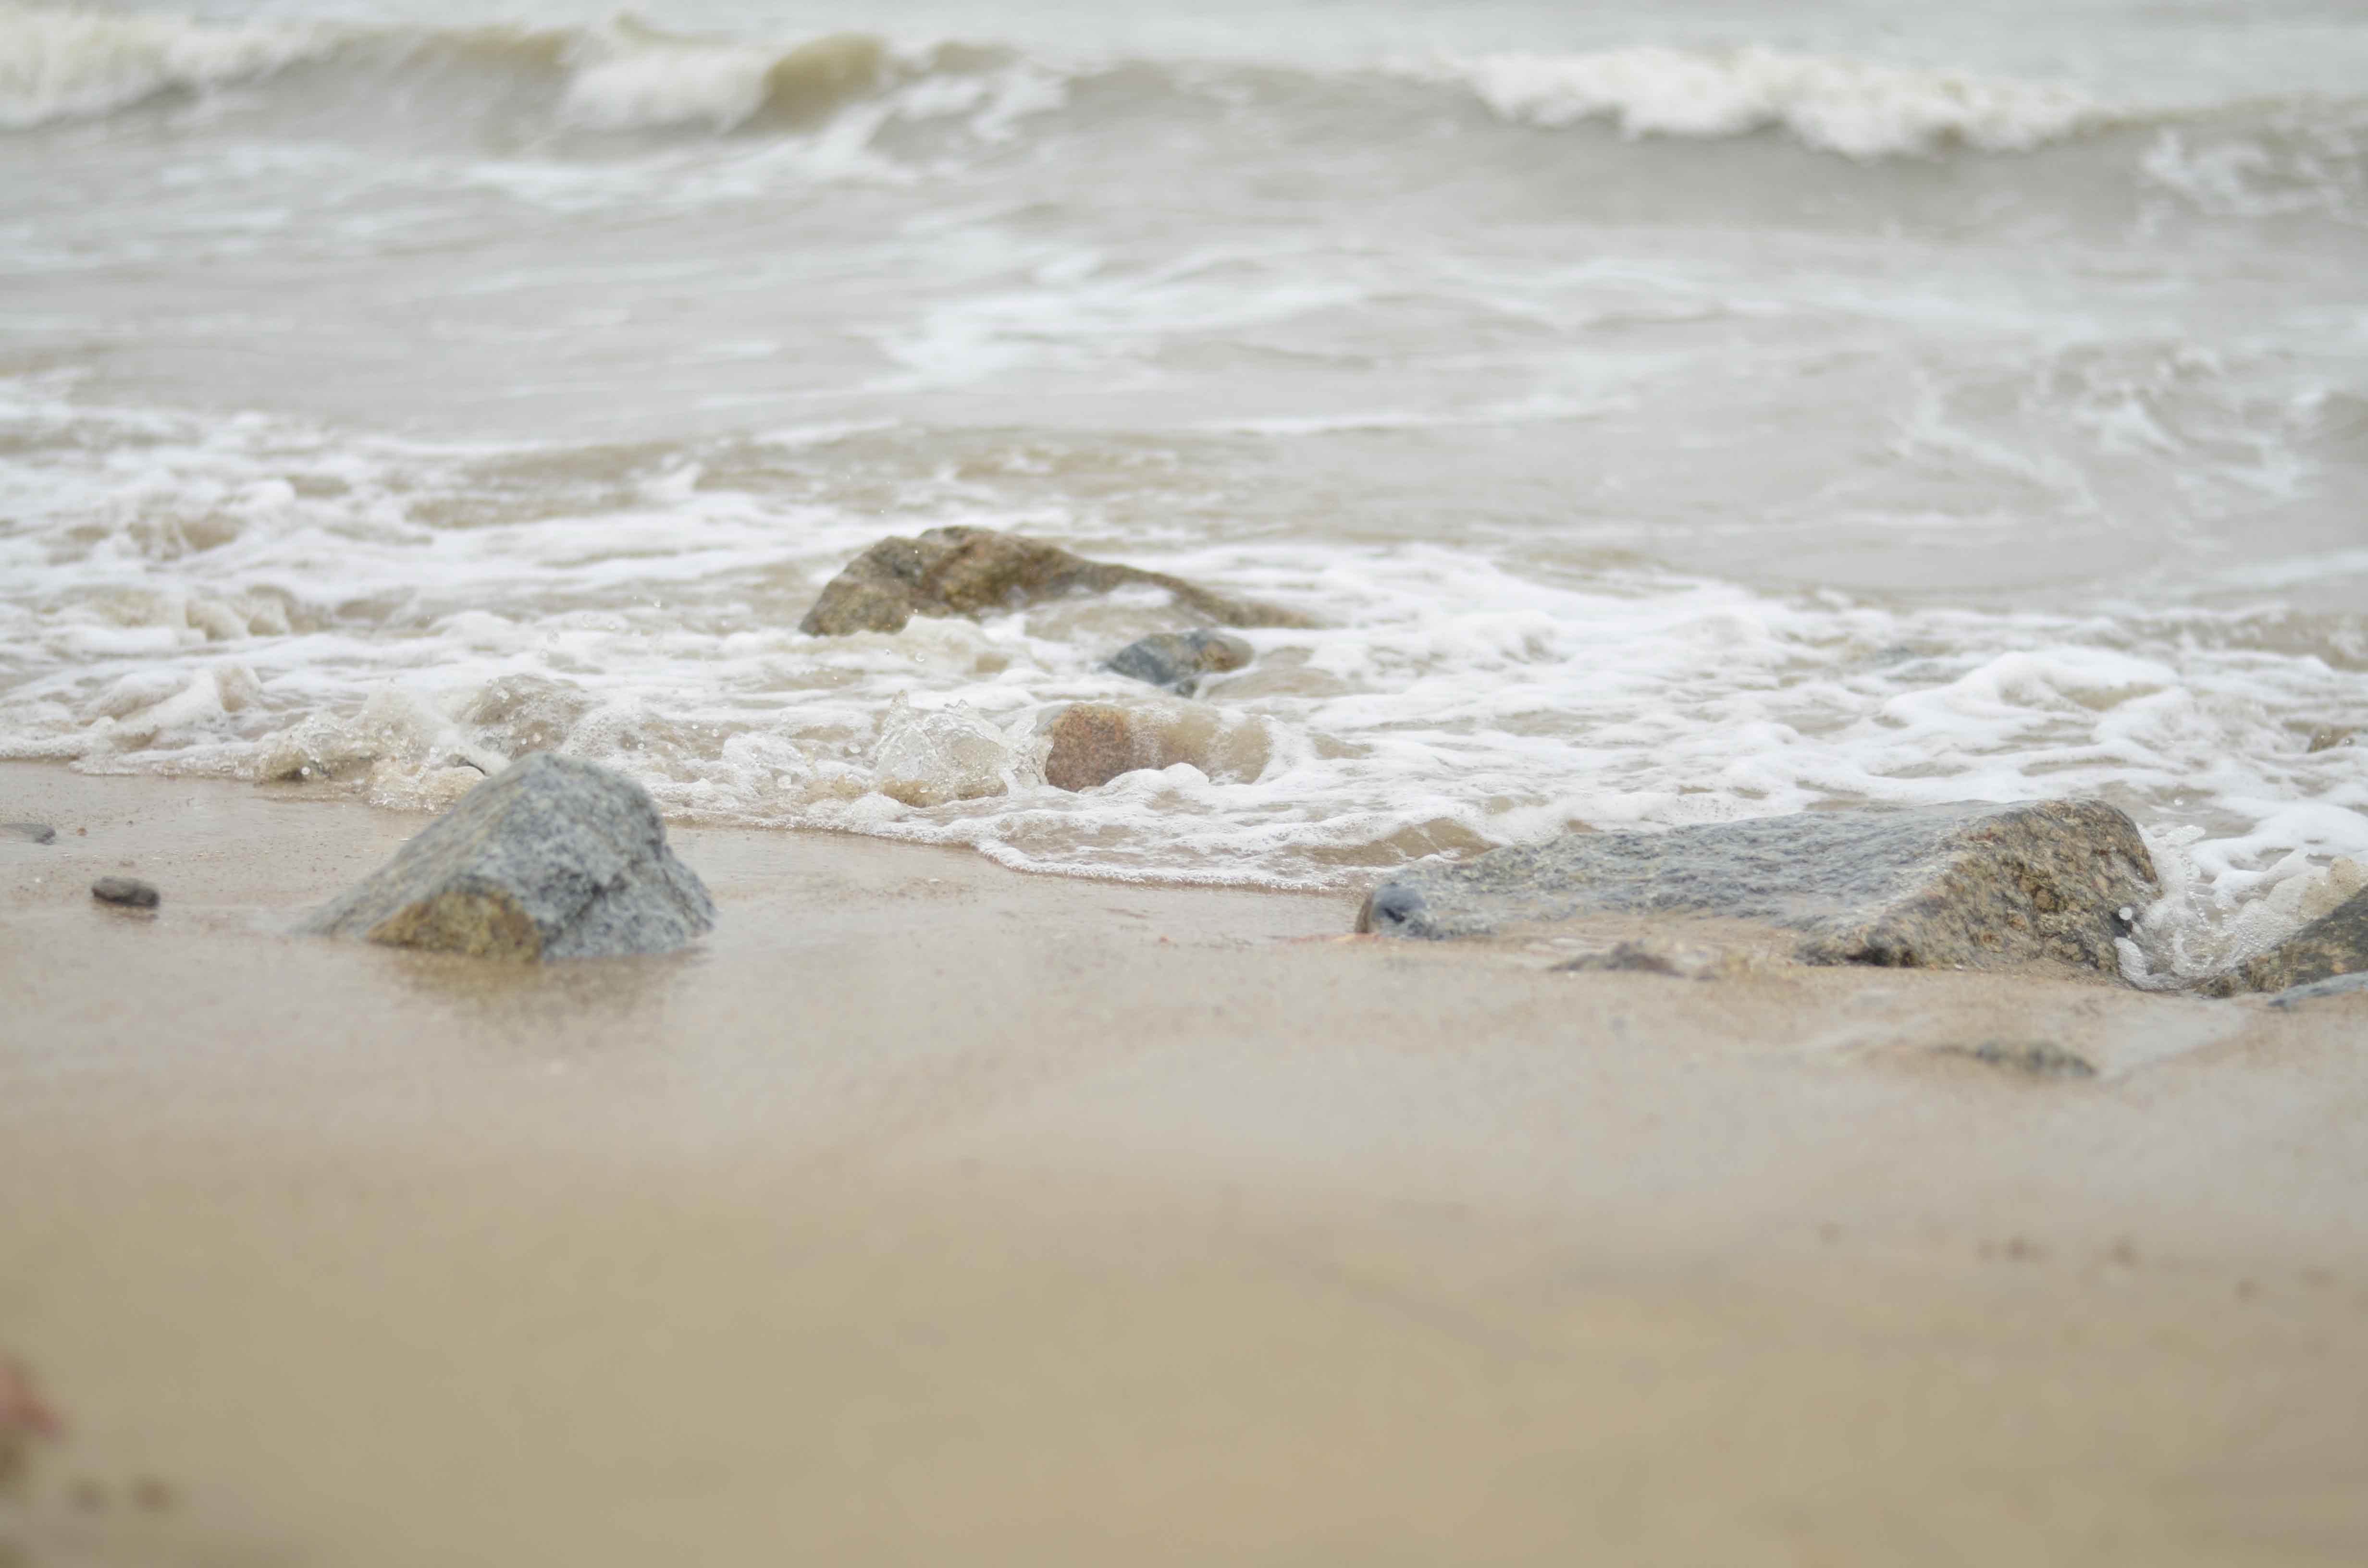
(928, 1207)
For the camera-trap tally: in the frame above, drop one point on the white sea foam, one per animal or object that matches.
(1854, 106)
(647, 82)
(263, 598)
(59, 64)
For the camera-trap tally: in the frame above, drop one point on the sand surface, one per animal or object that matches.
(930, 1213)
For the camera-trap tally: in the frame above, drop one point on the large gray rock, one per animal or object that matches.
(553, 860)
(965, 571)
(2334, 944)
(1975, 884)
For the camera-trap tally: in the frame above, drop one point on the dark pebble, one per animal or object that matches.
(129, 892)
(30, 832)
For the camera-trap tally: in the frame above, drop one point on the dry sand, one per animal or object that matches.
(930, 1213)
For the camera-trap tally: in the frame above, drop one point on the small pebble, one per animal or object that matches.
(30, 832)
(153, 1495)
(129, 892)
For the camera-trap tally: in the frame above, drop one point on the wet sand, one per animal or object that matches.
(931, 1212)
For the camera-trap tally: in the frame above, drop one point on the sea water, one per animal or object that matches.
(1666, 413)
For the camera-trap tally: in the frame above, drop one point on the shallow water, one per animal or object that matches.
(1667, 416)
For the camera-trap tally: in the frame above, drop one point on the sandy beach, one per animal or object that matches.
(927, 1211)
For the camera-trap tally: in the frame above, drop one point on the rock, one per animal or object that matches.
(2334, 944)
(129, 892)
(552, 859)
(1974, 884)
(2339, 985)
(521, 713)
(2031, 1058)
(1178, 659)
(30, 832)
(1093, 742)
(965, 571)
(2328, 739)
(1090, 743)
(947, 754)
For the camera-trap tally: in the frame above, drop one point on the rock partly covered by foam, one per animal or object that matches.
(1178, 659)
(2334, 944)
(1090, 743)
(966, 571)
(554, 859)
(1975, 884)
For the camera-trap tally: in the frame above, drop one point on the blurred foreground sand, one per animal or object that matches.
(933, 1213)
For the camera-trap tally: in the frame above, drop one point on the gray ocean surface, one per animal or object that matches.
(1671, 413)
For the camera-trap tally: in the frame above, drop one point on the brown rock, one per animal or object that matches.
(1093, 742)
(966, 571)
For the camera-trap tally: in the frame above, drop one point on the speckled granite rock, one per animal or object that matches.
(553, 859)
(1933, 886)
(1178, 659)
(2334, 944)
(965, 571)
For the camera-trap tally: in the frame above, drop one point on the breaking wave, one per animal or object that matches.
(61, 66)
(1853, 107)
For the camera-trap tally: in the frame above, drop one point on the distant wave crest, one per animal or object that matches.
(1853, 107)
(60, 64)
(623, 76)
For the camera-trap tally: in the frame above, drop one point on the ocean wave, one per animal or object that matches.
(1853, 107)
(60, 64)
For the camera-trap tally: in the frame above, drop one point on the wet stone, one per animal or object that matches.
(551, 858)
(2334, 944)
(1093, 742)
(131, 892)
(30, 832)
(1176, 660)
(1977, 885)
(973, 571)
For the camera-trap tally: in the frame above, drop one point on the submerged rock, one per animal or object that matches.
(1178, 659)
(1932, 886)
(2334, 944)
(1090, 743)
(949, 754)
(1093, 742)
(30, 832)
(965, 571)
(553, 859)
(129, 892)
